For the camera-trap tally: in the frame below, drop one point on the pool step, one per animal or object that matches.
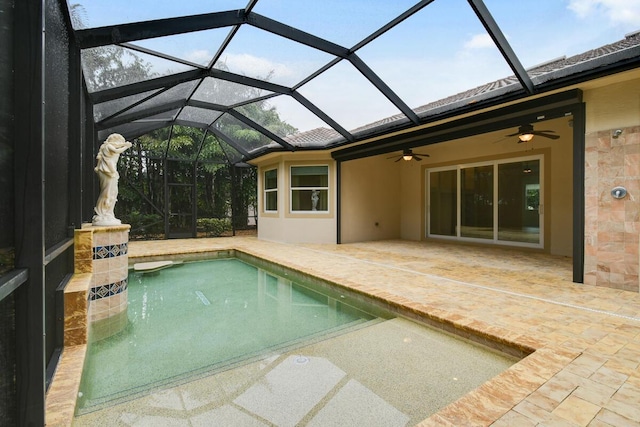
(150, 267)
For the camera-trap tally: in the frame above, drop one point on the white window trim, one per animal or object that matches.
(270, 190)
(292, 189)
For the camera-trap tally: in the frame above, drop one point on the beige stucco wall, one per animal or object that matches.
(558, 178)
(285, 226)
(412, 201)
(370, 201)
(616, 105)
(384, 199)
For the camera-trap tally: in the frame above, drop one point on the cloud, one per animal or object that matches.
(625, 12)
(200, 56)
(254, 66)
(479, 41)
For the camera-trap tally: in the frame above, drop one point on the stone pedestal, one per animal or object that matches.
(103, 252)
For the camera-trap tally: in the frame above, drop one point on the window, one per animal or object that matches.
(271, 190)
(497, 201)
(309, 188)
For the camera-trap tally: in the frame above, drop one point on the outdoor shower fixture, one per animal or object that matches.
(618, 192)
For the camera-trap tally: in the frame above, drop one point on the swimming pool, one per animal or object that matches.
(295, 355)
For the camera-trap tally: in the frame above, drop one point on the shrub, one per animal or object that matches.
(213, 227)
(144, 226)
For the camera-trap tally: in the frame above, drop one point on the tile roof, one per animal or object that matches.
(317, 137)
(558, 68)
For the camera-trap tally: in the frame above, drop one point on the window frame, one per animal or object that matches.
(495, 163)
(292, 189)
(267, 191)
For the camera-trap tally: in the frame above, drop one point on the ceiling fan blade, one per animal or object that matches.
(417, 158)
(423, 155)
(501, 139)
(546, 135)
(399, 158)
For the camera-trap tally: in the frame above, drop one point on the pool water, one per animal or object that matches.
(223, 342)
(201, 316)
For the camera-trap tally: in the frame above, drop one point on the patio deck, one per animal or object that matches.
(586, 366)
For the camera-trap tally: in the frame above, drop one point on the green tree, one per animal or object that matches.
(182, 155)
(108, 66)
(112, 66)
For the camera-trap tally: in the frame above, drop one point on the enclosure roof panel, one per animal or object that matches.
(94, 14)
(271, 75)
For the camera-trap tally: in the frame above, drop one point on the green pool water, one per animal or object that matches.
(238, 342)
(199, 317)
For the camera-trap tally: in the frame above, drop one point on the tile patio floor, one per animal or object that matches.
(586, 367)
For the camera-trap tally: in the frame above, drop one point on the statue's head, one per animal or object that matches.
(117, 140)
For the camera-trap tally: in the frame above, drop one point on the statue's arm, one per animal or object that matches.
(109, 157)
(117, 149)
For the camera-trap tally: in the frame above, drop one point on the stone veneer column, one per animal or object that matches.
(612, 226)
(103, 252)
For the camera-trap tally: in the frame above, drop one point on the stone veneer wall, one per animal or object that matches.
(76, 307)
(612, 226)
(103, 252)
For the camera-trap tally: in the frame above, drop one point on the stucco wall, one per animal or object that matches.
(384, 199)
(613, 106)
(291, 227)
(412, 200)
(558, 178)
(370, 201)
(559, 185)
(296, 230)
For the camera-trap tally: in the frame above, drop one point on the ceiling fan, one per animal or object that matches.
(526, 133)
(408, 154)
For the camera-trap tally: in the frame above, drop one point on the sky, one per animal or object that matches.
(440, 51)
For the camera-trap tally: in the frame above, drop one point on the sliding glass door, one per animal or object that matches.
(476, 202)
(497, 201)
(443, 190)
(519, 201)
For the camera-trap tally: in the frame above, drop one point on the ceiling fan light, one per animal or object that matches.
(407, 154)
(525, 137)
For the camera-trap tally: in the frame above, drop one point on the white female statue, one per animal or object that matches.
(106, 169)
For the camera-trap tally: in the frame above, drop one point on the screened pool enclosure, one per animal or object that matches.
(204, 90)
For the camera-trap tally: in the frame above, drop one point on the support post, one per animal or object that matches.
(29, 211)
